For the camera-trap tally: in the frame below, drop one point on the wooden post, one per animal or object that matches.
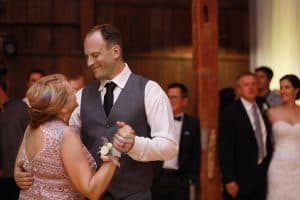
(205, 64)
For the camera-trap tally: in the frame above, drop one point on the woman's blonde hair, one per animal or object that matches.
(46, 98)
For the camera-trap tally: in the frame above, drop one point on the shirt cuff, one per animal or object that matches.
(137, 151)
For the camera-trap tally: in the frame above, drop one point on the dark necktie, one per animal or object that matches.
(178, 118)
(109, 97)
(258, 134)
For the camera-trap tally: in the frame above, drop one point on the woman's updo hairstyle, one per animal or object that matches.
(46, 98)
(294, 80)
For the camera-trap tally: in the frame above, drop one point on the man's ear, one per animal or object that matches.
(116, 51)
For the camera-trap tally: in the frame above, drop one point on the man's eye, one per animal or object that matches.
(95, 55)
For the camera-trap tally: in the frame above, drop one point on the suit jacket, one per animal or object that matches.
(238, 150)
(189, 152)
(189, 156)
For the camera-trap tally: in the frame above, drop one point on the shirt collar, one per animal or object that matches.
(247, 104)
(120, 80)
(179, 115)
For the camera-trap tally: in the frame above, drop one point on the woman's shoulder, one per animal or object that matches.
(55, 129)
(275, 112)
(70, 134)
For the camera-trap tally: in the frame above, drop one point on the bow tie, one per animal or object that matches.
(178, 118)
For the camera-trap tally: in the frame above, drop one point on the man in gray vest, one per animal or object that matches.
(138, 102)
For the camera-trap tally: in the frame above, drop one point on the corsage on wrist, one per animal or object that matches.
(107, 149)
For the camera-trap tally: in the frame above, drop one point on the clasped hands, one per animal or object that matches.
(123, 140)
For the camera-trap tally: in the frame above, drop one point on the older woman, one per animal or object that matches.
(52, 152)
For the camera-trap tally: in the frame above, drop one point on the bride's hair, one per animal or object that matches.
(294, 80)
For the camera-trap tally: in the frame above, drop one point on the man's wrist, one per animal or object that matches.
(116, 153)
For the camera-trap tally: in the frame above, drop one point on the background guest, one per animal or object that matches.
(33, 76)
(227, 97)
(76, 81)
(264, 77)
(244, 144)
(179, 177)
(14, 118)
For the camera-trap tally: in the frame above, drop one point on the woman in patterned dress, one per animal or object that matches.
(52, 152)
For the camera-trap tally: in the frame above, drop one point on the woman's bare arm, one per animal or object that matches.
(90, 184)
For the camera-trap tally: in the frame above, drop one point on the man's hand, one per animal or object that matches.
(232, 189)
(23, 179)
(124, 138)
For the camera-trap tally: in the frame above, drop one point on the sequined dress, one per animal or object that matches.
(50, 178)
(284, 169)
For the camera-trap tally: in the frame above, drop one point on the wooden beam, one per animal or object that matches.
(205, 64)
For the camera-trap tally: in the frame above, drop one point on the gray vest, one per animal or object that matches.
(132, 176)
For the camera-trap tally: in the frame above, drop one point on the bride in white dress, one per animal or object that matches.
(284, 170)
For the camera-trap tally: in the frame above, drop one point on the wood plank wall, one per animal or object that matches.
(47, 34)
(157, 37)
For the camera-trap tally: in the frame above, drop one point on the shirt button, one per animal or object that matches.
(107, 126)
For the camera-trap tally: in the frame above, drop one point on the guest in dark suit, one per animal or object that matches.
(14, 117)
(179, 176)
(244, 144)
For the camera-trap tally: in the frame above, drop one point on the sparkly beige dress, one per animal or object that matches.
(50, 178)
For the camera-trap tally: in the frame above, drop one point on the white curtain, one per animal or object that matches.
(275, 36)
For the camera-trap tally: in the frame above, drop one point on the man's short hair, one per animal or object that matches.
(184, 90)
(242, 75)
(267, 70)
(110, 34)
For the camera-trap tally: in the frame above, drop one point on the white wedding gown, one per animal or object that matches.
(284, 169)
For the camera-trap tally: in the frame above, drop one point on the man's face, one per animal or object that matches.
(100, 59)
(33, 77)
(263, 81)
(247, 88)
(178, 102)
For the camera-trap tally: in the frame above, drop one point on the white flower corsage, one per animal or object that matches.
(107, 149)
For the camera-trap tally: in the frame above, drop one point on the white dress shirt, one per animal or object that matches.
(163, 145)
(173, 163)
(248, 106)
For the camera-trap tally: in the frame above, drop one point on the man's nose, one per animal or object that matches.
(90, 61)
